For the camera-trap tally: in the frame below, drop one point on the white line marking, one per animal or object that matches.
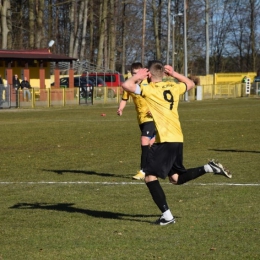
(226, 184)
(124, 183)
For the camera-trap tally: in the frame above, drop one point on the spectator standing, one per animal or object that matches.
(1, 89)
(16, 82)
(16, 86)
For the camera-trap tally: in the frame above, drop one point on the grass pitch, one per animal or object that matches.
(67, 193)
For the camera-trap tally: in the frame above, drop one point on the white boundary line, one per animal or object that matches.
(122, 183)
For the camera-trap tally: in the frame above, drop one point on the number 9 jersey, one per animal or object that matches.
(162, 99)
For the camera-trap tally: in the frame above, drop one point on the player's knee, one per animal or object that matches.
(174, 179)
(145, 140)
(180, 180)
(149, 178)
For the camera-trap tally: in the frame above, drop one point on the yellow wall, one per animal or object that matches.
(232, 78)
(226, 78)
(206, 80)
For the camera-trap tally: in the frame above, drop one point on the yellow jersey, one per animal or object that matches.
(140, 105)
(162, 99)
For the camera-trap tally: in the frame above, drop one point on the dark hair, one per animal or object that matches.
(154, 63)
(136, 65)
(156, 69)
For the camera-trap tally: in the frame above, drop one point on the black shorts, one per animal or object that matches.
(165, 159)
(148, 129)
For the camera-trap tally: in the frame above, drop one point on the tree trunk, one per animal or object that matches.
(78, 30)
(91, 32)
(102, 33)
(207, 35)
(124, 40)
(143, 31)
(112, 36)
(252, 34)
(106, 50)
(84, 29)
(156, 30)
(31, 23)
(5, 15)
(72, 28)
(40, 41)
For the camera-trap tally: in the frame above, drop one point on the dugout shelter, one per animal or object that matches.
(35, 65)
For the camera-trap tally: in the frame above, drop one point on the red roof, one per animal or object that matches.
(37, 54)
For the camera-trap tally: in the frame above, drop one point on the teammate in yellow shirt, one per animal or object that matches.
(144, 119)
(165, 157)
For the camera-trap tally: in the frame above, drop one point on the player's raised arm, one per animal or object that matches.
(131, 83)
(169, 71)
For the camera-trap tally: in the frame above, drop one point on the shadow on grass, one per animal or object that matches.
(234, 151)
(68, 207)
(86, 172)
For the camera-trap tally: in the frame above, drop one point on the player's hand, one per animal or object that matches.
(141, 74)
(168, 70)
(149, 114)
(119, 112)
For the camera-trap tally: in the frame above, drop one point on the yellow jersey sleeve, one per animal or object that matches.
(125, 95)
(140, 106)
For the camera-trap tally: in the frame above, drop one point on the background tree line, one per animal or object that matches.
(114, 33)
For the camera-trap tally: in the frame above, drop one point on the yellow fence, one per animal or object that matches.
(70, 96)
(61, 97)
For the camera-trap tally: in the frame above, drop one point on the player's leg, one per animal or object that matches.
(147, 138)
(217, 168)
(158, 165)
(29, 95)
(159, 199)
(144, 151)
(211, 167)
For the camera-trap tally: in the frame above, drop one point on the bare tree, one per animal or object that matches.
(124, 38)
(91, 31)
(103, 16)
(252, 26)
(73, 27)
(84, 7)
(207, 34)
(144, 31)
(78, 17)
(112, 35)
(156, 23)
(5, 22)
(31, 24)
(41, 41)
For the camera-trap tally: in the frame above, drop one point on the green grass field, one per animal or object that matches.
(66, 190)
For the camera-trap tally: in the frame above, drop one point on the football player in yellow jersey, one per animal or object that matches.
(165, 157)
(144, 118)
